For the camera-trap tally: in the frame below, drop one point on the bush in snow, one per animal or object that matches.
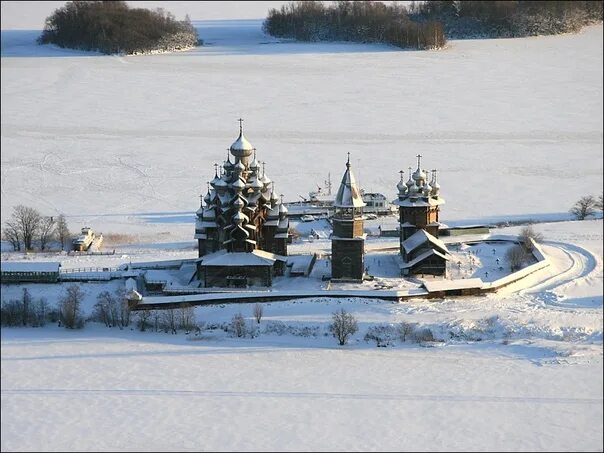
(383, 334)
(406, 329)
(280, 328)
(526, 234)
(237, 326)
(143, 317)
(344, 325)
(423, 335)
(516, 256)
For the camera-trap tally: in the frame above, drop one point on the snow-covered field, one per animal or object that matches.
(125, 145)
(514, 127)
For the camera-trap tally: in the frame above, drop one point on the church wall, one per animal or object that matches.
(347, 259)
(251, 275)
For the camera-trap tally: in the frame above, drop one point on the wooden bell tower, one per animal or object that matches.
(348, 239)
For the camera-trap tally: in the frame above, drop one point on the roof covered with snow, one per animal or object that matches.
(423, 256)
(254, 258)
(348, 195)
(26, 266)
(419, 201)
(447, 285)
(421, 237)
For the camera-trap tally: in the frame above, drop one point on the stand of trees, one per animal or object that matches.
(358, 21)
(115, 28)
(428, 24)
(504, 19)
(27, 226)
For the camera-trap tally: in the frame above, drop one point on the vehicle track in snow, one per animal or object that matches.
(579, 265)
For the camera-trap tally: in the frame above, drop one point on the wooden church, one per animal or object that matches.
(348, 238)
(419, 203)
(242, 225)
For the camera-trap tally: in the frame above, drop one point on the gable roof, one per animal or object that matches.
(423, 256)
(254, 258)
(421, 237)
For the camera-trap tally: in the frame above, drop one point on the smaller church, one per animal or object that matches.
(419, 202)
(348, 238)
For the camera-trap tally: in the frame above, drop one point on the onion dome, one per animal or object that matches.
(254, 165)
(427, 189)
(255, 184)
(239, 167)
(282, 209)
(238, 203)
(200, 210)
(401, 186)
(435, 185)
(265, 179)
(414, 189)
(239, 217)
(419, 175)
(219, 183)
(207, 198)
(410, 181)
(216, 177)
(228, 165)
(241, 147)
(238, 184)
(274, 197)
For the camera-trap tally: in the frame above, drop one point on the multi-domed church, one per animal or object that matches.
(419, 203)
(242, 224)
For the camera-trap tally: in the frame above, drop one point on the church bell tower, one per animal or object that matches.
(348, 239)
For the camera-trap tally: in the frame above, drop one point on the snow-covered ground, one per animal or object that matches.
(513, 371)
(125, 145)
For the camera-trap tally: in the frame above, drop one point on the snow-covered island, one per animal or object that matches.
(115, 28)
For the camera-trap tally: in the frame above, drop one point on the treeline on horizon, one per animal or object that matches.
(508, 19)
(357, 21)
(112, 27)
(427, 25)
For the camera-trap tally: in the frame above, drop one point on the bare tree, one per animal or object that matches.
(343, 325)
(186, 317)
(11, 234)
(27, 221)
(406, 329)
(62, 231)
(237, 326)
(584, 207)
(39, 312)
(106, 309)
(11, 312)
(47, 230)
(258, 312)
(69, 306)
(156, 316)
(526, 234)
(600, 203)
(169, 320)
(26, 300)
(122, 308)
(516, 257)
(143, 319)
